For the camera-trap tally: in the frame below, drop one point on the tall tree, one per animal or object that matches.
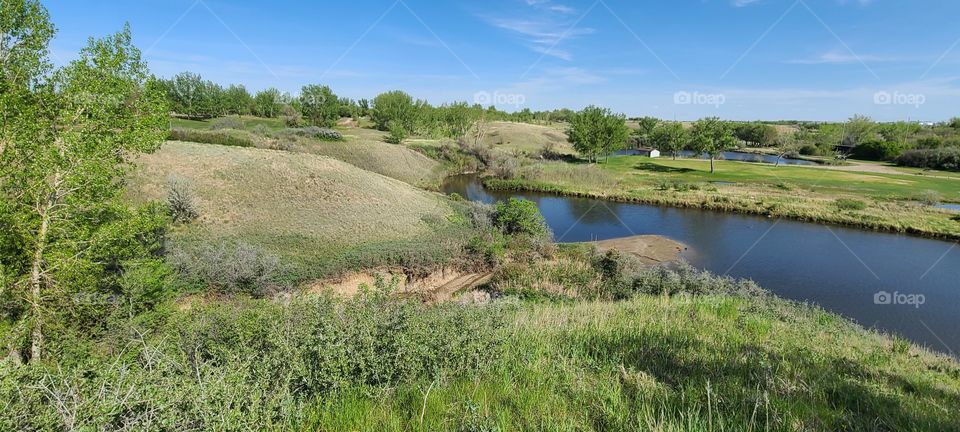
(238, 100)
(60, 187)
(670, 137)
(595, 131)
(394, 106)
(859, 129)
(711, 136)
(645, 126)
(319, 105)
(267, 103)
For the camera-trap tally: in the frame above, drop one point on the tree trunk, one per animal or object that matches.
(711, 164)
(36, 334)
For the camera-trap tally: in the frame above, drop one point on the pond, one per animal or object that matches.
(954, 207)
(872, 277)
(731, 155)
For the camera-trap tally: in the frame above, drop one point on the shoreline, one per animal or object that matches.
(665, 201)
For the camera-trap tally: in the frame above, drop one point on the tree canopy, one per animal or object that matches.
(598, 131)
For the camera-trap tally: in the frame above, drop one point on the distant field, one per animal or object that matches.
(316, 212)
(525, 137)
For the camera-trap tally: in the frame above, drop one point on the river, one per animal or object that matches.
(898, 284)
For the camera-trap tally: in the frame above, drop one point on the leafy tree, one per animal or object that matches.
(237, 100)
(786, 144)
(394, 106)
(65, 231)
(319, 105)
(712, 136)
(596, 131)
(519, 216)
(267, 103)
(756, 134)
(859, 129)
(191, 96)
(898, 132)
(645, 126)
(459, 119)
(669, 137)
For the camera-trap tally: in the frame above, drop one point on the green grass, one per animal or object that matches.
(249, 123)
(702, 364)
(317, 213)
(639, 170)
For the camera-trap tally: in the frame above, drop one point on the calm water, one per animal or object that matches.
(954, 207)
(841, 269)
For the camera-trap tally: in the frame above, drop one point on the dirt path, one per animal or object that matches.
(651, 249)
(441, 286)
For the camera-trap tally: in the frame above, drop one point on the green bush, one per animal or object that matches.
(250, 365)
(520, 216)
(878, 151)
(397, 133)
(220, 137)
(227, 123)
(850, 204)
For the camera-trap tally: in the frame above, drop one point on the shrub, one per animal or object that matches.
(947, 158)
(519, 216)
(878, 151)
(220, 137)
(230, 268)
(397, 133)
(320, 133)
(850, 204)
(180, 202)
(930, 198)
(505, 167)
(227, 123)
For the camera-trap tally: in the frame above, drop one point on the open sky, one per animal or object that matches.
(683, 59)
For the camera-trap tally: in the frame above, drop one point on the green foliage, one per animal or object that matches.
(229, 268)
(25, 32)
(219, 137)
(519, 216)
(397, 133)
(181, 203)
(68, 234)
(712, 136)
(267, 103)
(319, 105)
(192, 97)
(878, 150)
(227, 123)
(669, 137)
(756, 134)
(645, 128)
(849, 204)
(252, 365)
(947, 159)
(393, 108)
(598, 131)
(859, 129)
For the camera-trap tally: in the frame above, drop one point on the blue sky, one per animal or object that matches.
(683, 59)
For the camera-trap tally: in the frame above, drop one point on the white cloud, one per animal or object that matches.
(544, 29)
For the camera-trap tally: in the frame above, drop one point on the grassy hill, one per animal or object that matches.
(525, 137)
(315, 212)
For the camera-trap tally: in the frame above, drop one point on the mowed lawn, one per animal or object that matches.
(642, 170)
(317, 212)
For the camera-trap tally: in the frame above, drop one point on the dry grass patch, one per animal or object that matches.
(305, 207)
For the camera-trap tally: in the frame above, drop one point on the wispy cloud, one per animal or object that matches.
(841, 57)
(545, 26)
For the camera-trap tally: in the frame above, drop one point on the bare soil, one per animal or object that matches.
(652, 250)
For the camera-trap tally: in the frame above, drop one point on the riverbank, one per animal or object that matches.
(872, 201)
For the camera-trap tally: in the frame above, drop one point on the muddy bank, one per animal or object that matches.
(651, 249)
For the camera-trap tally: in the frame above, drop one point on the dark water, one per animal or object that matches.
(840, 269)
